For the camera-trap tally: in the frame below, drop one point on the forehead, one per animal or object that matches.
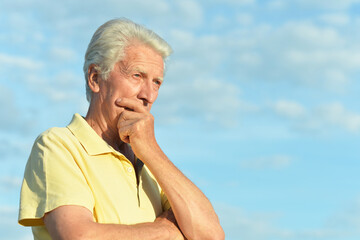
(142, 56)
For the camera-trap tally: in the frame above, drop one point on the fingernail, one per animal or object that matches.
(118, 100)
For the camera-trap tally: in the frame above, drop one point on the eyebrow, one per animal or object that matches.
(145, 74)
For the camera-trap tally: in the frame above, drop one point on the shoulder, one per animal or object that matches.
(54, 135)
(54, 132)
(53, 148)
(54, 141)
(47, 147)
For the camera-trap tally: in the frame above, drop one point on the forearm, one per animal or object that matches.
(193, 211)
(142, 231)
(76, 223)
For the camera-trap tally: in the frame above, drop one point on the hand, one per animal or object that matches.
(168, 220)
(136, 126)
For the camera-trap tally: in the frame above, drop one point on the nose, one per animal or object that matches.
(147, 93)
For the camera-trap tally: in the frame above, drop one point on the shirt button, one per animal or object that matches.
(129, 169)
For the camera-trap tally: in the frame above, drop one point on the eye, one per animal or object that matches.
(137, 75)
(158, 82)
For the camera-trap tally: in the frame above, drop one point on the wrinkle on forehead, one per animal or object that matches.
(139, 57)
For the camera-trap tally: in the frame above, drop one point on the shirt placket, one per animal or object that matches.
(131, 176)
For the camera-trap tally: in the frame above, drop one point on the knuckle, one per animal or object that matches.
(149, 117)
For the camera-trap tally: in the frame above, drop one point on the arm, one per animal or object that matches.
(193, 211)
(76, 223)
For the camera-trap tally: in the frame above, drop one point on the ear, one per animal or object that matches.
(93, 78)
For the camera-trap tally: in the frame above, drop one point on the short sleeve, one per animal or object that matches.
(52, 179)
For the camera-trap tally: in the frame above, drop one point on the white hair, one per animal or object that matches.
(108, 44)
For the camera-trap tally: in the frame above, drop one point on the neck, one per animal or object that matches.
(108, 132)
(103, 127)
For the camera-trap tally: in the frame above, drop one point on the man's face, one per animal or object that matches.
(138, 76)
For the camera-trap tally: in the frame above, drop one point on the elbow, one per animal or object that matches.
(217, 234)
(214, 233)
(220, 235)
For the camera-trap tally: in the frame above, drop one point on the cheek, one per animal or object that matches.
(129, 89)
(156, 93)
(117, 91)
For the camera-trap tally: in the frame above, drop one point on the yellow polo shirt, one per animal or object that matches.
(75, 166)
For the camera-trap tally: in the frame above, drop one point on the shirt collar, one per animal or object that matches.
(89, 139)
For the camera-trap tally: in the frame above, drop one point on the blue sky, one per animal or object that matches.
(258, 106)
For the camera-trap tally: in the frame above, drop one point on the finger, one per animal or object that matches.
(128, 115)
(125, 132)
(124, 123)
(131, 104)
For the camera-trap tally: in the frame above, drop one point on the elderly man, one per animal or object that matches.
(104, 176)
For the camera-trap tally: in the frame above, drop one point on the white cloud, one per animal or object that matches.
(20, 62)
(11, 148)
(336, 114)
(281, 52)
(296, 52)
(335, 19)
(212, 100)
(62, 86)
(322, 233)
(343, 60)
(329, 4)
(190, 11)
(157, 8)
(244, 18)
(21, 29)
(235, 2)
(202, 52)
(347, 218)
(241, 224)
(10, 113)
(10, 182)
(320, 118)
(183, 40)
(289, 109)
(271, 162)
(192, 88)
(18, 20)
(220, 21)
(252, 59)
(62, 54)
(277, 4)
(308, 34)
(69, 22)
(9, 227)
(336, 80)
